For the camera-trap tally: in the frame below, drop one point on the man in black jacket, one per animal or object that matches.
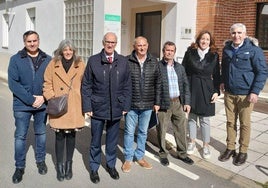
(175, 104)
(146, 84)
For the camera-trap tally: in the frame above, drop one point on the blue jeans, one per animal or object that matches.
(133, 118)
(22, 122)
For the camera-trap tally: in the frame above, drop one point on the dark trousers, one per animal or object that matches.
(179, 121)
(62, 139)
(112, 134)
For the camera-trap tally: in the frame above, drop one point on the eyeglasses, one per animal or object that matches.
(110, 42)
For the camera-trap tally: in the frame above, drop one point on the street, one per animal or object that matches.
(178, 174)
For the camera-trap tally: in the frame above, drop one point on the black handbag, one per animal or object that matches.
(153, 120)
(58, 106)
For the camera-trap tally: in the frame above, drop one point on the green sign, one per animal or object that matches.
(110, 17)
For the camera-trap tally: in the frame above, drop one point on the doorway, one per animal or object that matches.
(148, 24)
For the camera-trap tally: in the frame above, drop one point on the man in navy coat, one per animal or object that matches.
(106, 97)
(25, 80)
(244, 73)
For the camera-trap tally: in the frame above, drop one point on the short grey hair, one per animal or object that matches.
(236, 25)
(140, 38)
(109, 33)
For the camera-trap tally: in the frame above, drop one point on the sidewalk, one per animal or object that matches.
(256, 167)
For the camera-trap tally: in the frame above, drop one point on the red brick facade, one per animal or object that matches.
(218, 15)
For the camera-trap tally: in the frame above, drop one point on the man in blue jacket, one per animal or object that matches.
(106, 97)
(244, 74)
(25, 80)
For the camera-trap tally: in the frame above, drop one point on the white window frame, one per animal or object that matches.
(5, 34)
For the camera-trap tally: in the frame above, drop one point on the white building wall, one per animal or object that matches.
(186, 19)
(101, 26)
(49, 24)
(178, 15)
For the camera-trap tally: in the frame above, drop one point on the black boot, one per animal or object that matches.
(60, 171)
(68, 170)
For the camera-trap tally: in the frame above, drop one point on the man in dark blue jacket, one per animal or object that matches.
(106, 97)
(175, 104)
(25, 80)
(244, 74)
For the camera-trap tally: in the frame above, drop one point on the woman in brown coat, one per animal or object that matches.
(63, 75)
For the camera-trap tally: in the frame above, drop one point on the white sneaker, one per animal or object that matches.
(206, 152)
(191, 148)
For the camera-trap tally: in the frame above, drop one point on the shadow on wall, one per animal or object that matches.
(4, 61)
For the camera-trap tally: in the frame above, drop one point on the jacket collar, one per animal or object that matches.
(23, 53)
(165, 63)
(133, 57)
(65, 77)
(104, 58)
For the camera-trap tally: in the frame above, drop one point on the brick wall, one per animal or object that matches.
(218, 15)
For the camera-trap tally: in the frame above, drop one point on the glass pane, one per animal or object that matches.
(79, 25)
(262, 25)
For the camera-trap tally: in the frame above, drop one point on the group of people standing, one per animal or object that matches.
(111, 86)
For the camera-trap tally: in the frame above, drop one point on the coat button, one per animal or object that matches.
(61, 88)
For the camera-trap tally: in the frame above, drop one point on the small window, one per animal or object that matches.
(262, 25)
(30, 19)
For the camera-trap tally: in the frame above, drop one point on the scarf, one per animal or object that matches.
(202, 53)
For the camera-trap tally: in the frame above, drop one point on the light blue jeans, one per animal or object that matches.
(204, 124)
(139, 118)
(22, 122)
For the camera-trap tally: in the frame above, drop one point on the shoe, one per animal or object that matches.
(60, 171)
(164, 161)
(206, 152)
(240, 159)
(42, 167)
(126, 167)
(143, 163)
(68, 170)
(187, 160)
(17, 176)
(94, 177)
(226, 155)
(191, 148)
(113, 173)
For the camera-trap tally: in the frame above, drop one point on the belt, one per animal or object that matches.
(175, 99)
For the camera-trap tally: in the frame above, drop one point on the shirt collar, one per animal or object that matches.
(168, 64)
(236, 47)
(109, 55)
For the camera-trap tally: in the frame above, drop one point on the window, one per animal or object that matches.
(30, 19)
(262, 25)
(79, 25)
